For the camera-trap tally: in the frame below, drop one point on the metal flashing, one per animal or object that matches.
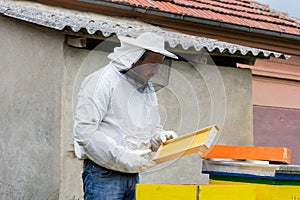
(60, 18)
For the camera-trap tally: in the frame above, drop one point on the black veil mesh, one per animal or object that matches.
(157, 76)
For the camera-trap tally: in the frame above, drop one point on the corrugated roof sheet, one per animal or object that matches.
(59, 19)
(248, 13)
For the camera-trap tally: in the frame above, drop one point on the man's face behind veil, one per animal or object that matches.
(146, 67)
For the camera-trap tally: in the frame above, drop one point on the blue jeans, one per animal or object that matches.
(106, 184)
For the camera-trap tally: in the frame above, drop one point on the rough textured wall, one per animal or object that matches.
(199, 96)
(30, 90)
(78, 64)
(39, 84)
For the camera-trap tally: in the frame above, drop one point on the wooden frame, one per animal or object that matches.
(199, 141)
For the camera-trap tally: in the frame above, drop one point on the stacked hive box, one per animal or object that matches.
(196, 142)
(266, 168)
(236, 172)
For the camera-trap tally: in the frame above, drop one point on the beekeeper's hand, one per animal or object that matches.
(135, 160)
(165, 136)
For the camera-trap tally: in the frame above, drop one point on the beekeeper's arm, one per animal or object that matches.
(103, 150)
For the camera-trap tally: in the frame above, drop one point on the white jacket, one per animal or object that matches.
(112, 116)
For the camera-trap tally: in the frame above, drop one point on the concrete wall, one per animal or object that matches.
(199, 96)
(78, 64)
(30, 122)
(40, 78)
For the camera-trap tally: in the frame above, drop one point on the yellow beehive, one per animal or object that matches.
(198, 192)
(267, 192)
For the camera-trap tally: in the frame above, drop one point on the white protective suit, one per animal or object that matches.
(113, 120)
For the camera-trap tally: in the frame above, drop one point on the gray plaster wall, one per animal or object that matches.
(30, 123)
(78, 64)
(197, 96)
(40, 77)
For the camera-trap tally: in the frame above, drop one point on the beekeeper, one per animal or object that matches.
(116, 123)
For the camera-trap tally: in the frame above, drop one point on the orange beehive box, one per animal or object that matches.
(275, 154)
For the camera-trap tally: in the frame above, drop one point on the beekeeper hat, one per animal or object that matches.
(149, 41)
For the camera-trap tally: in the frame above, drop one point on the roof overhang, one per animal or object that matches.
(61, 19)
(130, 6)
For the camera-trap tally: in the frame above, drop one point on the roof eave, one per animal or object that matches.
(59, 18)
(193, 19)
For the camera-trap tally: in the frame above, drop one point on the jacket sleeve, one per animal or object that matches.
(93, 101)
(157, 126)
